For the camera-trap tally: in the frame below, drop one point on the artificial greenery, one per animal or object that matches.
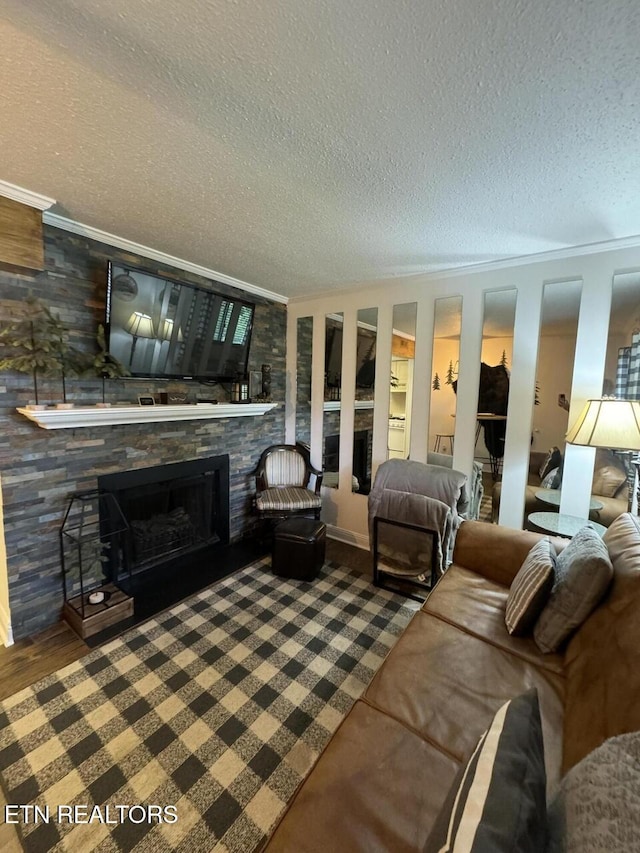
(35, 341)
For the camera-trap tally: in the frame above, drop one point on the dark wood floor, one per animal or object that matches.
(27, 661)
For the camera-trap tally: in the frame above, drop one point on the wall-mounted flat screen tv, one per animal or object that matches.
(164, 329)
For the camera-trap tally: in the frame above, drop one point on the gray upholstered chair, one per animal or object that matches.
(414, 510)
(287, 484)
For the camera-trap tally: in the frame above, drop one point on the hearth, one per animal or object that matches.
(173, 511)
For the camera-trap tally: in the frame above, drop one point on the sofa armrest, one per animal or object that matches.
(495, 552)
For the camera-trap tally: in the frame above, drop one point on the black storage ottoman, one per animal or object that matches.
(298, 548)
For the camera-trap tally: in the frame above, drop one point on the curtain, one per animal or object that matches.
(628, 371)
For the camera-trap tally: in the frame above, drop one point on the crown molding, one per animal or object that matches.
(154, 254)
(31, 199)
(565, 253)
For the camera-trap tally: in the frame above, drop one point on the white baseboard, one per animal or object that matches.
(6, 634)
(358, 540)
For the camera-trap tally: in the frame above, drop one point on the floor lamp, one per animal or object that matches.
(614, 424)
(139, 326)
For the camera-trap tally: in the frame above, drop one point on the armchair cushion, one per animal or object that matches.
(287, 498)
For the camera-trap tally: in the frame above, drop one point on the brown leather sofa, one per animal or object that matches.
(384, 775)
(609, 487)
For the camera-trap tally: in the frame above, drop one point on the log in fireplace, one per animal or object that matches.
(172, 511)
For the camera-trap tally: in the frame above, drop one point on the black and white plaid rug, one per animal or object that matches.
(191, 731)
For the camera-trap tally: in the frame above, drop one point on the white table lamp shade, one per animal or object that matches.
(608, 423)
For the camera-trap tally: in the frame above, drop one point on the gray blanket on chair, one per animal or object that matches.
(431, 496)
(409, 552)
(434, 481)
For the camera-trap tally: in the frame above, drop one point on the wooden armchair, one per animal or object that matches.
(283, 477)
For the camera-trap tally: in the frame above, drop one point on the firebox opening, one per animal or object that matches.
(172, 511)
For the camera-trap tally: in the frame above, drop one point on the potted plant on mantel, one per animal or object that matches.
(35, 341)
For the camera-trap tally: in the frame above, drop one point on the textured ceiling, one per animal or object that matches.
(301, 146)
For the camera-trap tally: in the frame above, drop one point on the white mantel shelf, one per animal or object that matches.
(335, 405)
(92, 416)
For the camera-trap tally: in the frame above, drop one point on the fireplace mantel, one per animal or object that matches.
(92, 416)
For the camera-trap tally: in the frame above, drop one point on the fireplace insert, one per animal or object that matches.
(171, 510)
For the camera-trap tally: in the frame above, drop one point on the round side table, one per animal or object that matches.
(552, 497)
(563, 525)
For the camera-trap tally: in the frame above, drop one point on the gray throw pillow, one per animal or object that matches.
(583, 574)
(596, 809)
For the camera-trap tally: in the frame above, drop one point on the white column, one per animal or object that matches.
(526, 334)
(588, 372)
(382, 386)
(291, 379)
(422, 370)
(347, 398)
(468, 381)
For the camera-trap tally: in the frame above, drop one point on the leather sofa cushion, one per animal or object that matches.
(376, 787)
(477, 605)
(446, 684)
(507, 548)
(603, 676)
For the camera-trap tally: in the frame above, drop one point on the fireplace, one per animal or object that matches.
(172, 512)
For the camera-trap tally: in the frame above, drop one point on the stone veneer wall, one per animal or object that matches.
(40, 468)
